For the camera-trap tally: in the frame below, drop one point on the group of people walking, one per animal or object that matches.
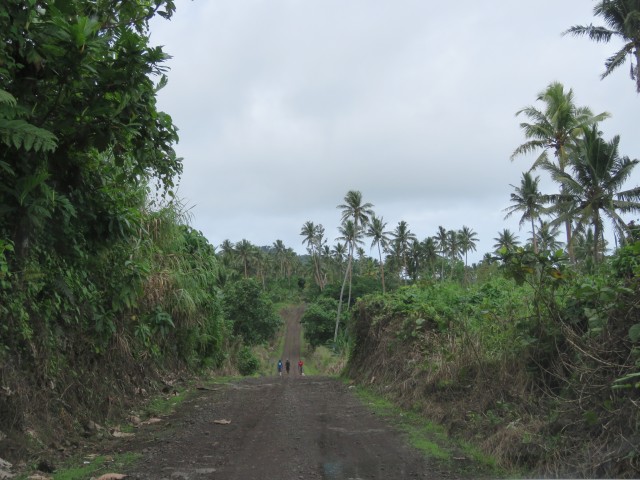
(287, 366)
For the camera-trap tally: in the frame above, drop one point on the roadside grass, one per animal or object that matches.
(91, 466)
(165, 405)
(321, 361)
(83, 466)
(432, 439)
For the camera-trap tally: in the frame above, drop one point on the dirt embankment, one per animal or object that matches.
(289, 427)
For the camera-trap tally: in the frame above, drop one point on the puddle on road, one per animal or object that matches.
(335, 471)
(332, 470)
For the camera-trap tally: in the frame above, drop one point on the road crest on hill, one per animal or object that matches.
(288, 428)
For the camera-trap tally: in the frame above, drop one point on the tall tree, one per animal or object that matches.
(314, 239)
(279, 252)
(80, 132)
(556, 127)
(506, 239)
(622, 19)
(429, 249)
(352, 210)
(468, 241)
(380, 238)
(454, 247)
(442, 243)
(246, 252)
(403, 237)
(528, 200)
(547, 236)
(599, 174)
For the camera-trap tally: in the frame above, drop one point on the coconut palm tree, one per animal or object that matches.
(314, 238)
(547, 236)
(622, 19)
(339, 254)
(430, 252)
(279, 253)
(468, 241)
(506, 239)
(442, 243)
(291, 262)
(354, 209)
(453, 247)
(357, 212)
(351, 236)
(245, 252)
(402, 239)
(556, 127)
(528, 200)
(415, 255)
(380, 238)
(599, 174)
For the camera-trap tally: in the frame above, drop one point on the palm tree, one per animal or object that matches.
(506, 239)
(290, 262)
(379, 238)
(402, 239)
(528, 200)
(279, 252)
(547, 236)
(245, 252)
(468, 241)
(262, 263)
(622, 19)
(349, 234)
(314, 238)
(555, 128)
(415, 260)
(429, 252)
(586, 248)
(338, 254)
(442, 243)
(352, 209)
(599, 173)
(453, 247)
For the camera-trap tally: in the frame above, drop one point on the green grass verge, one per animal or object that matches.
(82, 468)
(431, 438)
(165, 405)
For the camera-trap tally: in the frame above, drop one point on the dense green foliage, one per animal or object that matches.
(248, 364)
(250, 311)
(318, 321)
(540, 360)
(104, 287)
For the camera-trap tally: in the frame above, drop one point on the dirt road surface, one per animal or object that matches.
(289, 428)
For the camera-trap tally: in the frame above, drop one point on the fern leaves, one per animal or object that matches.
(20, 134)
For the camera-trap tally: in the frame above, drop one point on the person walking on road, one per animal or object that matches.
(300, 365)
(280, 367)
(287, 365)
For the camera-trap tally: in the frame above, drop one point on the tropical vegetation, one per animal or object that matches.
(106, 291)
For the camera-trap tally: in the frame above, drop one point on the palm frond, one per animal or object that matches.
(616, 60)
(598, 34)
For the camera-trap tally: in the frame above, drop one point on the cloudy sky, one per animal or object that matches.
(285, 105)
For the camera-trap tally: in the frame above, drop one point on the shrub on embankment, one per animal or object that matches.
(540, 376)
(83, 338)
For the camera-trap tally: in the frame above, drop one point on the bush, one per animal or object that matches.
(247, 363)
(319, 321)
(250, 311)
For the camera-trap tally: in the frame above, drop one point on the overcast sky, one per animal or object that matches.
(285, 105)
